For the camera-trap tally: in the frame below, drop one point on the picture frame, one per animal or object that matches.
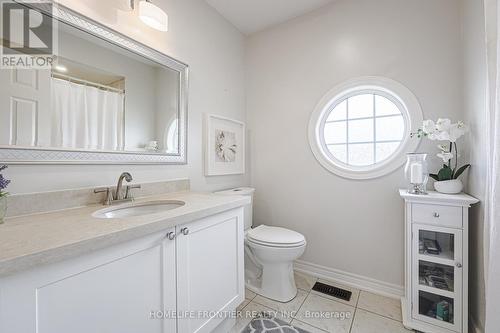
(224, 146)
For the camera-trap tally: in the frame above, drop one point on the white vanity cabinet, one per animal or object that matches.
(137, 286)
(436, 262)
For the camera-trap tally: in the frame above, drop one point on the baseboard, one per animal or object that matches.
(350, 279)
(473, 327)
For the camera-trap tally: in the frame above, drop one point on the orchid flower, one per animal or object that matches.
(444, 130)
(446, 157)
(443, 125)
(443, 148)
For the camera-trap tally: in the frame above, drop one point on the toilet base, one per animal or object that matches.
(269, 270)
(276, 282)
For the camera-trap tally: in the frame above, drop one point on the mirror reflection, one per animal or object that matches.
(97, 97)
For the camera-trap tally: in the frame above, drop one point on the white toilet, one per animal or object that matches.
(269, 255)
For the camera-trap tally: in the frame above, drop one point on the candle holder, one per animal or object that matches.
(416, 173)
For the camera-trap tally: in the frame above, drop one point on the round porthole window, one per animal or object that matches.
(361, 129)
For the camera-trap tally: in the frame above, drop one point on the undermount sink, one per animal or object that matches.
(138, 209)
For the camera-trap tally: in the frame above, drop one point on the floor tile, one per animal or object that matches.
(250, 311)
(326, 314)
(288, 309)
(384, 306)
(307, 327)
(304, 282)
(250, 295)
(242, 319)
(241, 323)
(253, 309)
(354, 297)
(242, 305)
(367, 322)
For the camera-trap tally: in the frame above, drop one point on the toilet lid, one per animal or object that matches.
(275, 236)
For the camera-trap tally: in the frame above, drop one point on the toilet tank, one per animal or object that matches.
(247, 191)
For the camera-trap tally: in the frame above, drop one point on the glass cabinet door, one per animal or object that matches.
(437, 276)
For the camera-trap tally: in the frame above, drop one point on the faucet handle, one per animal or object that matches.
(101, 190)
(106, 190)
(130, 187)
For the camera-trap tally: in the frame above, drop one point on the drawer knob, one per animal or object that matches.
(459, 265)
(185, 231)
(171, 235)
(436, 215)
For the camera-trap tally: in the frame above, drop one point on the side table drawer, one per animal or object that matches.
(450, 216)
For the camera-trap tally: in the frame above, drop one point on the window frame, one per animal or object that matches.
(404, 99)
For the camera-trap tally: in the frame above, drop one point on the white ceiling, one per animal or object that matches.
(250, 16)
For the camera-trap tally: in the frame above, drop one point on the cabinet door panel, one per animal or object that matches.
(110, 298)
(437, 276)
(111, 290)
(210, 270)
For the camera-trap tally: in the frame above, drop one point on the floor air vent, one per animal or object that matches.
(332, 291)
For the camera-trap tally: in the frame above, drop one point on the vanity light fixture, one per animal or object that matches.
(149, 13)
(61, 68)
(153, 15)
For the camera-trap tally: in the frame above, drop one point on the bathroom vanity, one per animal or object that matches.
(165, 263)
(180, 270)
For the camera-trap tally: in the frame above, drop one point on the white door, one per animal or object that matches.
(120, 289)
(437, 276)
(25, 107)
(209, 270)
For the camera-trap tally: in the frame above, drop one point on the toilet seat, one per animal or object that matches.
(275, 237)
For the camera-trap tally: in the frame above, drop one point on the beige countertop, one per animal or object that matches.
(31, 240)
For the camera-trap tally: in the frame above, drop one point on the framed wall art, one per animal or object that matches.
(224, 146)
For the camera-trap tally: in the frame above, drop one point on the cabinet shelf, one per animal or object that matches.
(443, 259)
(437, 291)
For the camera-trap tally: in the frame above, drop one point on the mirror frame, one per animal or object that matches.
(44, 155)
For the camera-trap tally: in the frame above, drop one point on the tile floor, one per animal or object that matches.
(319, 313)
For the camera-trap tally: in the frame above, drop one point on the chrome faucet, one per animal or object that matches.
(118, 194)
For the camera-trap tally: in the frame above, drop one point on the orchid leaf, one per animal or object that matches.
(434, 176)
(460, 171)
(445, 173)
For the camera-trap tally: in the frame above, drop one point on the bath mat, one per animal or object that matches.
(265, 323)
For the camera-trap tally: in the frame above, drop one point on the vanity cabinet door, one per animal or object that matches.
(108, 291)
(209, 270)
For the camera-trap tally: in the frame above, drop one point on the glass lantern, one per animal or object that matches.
(416, 173)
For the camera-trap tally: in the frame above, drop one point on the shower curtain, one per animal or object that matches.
(492, 204)
(86, 117)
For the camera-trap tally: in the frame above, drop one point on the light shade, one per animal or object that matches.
(153, 16)
(61, 68)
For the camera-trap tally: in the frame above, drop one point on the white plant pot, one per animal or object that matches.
(453, 186)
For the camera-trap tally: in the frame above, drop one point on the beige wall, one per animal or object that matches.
(475, 78)
(352, 226)
(198, 36)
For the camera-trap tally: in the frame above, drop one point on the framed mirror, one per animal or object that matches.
(107, 99)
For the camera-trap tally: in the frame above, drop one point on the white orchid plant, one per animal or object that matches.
(445, 130)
